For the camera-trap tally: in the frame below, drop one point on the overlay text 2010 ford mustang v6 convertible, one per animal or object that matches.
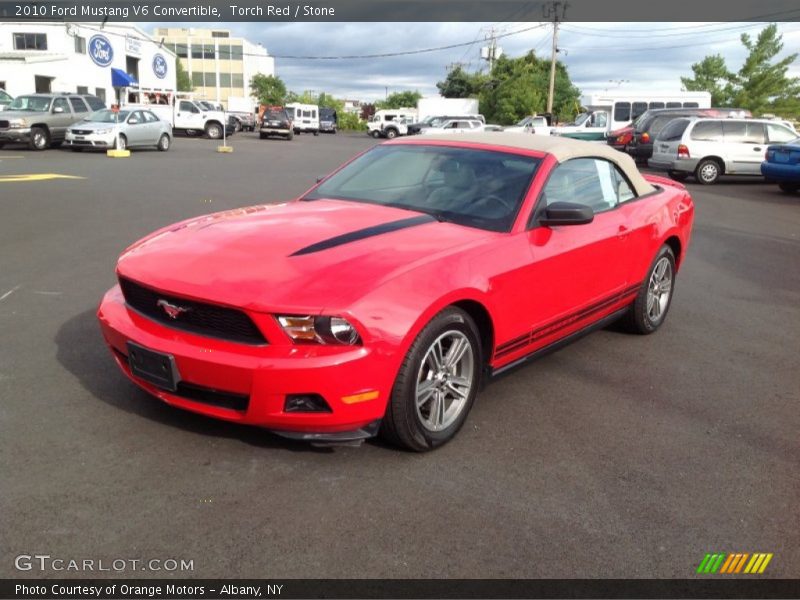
(380, 299)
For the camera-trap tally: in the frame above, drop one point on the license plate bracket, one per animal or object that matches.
(158, 368)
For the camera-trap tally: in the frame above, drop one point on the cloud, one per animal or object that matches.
(597, 55)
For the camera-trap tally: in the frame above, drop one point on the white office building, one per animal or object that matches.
(84, 58)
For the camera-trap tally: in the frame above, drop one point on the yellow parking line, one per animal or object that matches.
(36, 177)
(3, 157)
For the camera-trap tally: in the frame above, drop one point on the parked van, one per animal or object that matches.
(397, 116)
(709, 148)
(304, 116)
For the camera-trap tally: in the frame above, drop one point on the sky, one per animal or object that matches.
(599, 56)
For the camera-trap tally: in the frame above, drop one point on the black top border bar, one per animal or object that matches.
(398, 10)
(422, 589)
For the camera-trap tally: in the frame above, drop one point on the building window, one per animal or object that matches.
(208, 51)
(197, 78)
(182, 50)
(80, 45)
(220, 34)
(83, 89)
(224, 52)
(211, 80)
(225, 80)
(100, 93)
(237, 80)
(30, 41)
(236, 52)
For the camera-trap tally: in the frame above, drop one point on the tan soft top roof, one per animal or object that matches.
(561, 148)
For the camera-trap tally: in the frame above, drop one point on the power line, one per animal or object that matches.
(627, 36)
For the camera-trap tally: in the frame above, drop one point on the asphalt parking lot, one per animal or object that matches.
(619, 456)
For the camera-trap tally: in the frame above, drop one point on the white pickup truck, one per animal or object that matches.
(192, 118)
(533, 124)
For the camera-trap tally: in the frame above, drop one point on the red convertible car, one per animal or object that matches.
(381, 299)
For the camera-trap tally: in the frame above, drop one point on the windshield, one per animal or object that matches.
(30, 104)
(4, 97)
(524, 122)
(107, 116)
(475, 188)
(580, 119)
(275, 115)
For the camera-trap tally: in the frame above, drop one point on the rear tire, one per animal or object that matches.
(708, 171)
(40, 139)
(649, 311)
(678, 175)
(437, 383)
(390, 134)
(290, 137)
(789, 188)
(263, 136)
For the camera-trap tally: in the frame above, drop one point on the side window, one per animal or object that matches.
(656, 105)
(779, 133)
(735, 131)
(600, 119)
(638, 109)
(673, 104)
(708, 131)
(755, 133)
(186, 106)
(673, 131)
(591, 181)
(78, 105)
(622, 111)
(62, 103)
(691, 105)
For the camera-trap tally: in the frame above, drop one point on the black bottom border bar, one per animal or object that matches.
(245, 589)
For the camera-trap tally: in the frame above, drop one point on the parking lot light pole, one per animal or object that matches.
(225, 148)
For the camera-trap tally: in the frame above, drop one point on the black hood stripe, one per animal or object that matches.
(361, 234)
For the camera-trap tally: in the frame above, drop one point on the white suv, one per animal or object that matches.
(709, 148)
(456, 126)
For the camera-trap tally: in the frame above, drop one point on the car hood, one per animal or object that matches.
(21, 114)
(301, 256)
(93, 125)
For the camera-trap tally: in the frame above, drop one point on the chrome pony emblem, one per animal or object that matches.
(173, 310)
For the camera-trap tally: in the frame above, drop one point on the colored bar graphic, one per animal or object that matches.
(734, 563)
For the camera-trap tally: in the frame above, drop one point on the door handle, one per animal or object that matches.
(757, 149)
(622, 232)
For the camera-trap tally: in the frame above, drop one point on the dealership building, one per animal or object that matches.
(221, 66)
(84, 58)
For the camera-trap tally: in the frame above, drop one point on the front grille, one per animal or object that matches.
(81, 131)
(199, 317)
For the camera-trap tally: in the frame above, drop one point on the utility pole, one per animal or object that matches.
(555, 8)
(492, 47)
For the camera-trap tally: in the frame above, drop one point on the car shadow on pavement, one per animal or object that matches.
(83, 352)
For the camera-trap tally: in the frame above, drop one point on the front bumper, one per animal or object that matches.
(22, 134)
(92, 140)
(263, 375)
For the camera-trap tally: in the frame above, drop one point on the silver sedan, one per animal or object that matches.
(137, 128)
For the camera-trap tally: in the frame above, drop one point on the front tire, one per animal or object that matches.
(391, 134)
(121, 143)
(163, 143)
(437, 383)
(213, 131)
(649, 310)
(789, 188)
(40, 138)
(708, 171)
(375, 133)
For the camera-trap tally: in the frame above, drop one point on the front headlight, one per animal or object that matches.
(103, 131)
(309, 329)
(17, 123)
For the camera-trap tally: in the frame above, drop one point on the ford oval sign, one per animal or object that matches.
(160, 66)
(100, 50)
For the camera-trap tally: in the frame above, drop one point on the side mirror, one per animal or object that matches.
(58, 109)
(566, 213)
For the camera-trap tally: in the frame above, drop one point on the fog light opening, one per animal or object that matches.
(305, 403)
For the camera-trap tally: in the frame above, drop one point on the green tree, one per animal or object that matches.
(761, 81)
(518, 87)
(183, 81)
(407, 99)
(460, 84)
(760, 85)
(268, 89)
(711, 75)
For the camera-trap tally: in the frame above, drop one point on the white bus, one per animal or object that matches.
(608, 111)
(304, 116)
